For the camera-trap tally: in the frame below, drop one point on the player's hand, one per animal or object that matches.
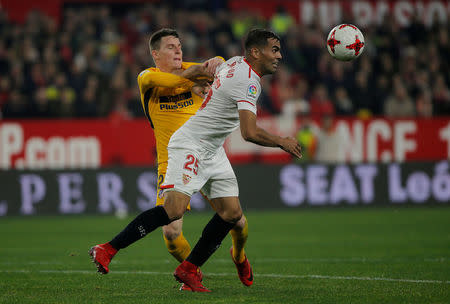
(212, 64)
(198, 74)
(291, 145)
(201, 90)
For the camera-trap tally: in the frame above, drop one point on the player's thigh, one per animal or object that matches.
(162, 169)
(228, 208)
(175, 204)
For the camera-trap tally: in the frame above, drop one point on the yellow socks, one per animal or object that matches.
(178, 247)
(239, 238)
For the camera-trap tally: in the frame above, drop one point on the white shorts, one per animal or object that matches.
(190, 171)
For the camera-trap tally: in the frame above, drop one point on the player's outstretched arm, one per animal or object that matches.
(252, 133)
(149, 79)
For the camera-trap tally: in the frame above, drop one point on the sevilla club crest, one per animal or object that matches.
(186, 179)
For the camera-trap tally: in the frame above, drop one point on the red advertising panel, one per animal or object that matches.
(354, 140)
(75, 144)
(100, 143)
(357, 140)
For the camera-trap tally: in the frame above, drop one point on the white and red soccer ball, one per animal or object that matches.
(345, 42)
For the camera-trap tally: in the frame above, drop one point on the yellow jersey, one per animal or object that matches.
(168, 103)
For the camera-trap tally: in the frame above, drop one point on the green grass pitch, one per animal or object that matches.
(354, 255)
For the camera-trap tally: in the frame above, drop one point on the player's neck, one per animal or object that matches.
(165, 69)
(255, 66)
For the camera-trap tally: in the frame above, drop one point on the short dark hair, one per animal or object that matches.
(258, 38)
(155, 39)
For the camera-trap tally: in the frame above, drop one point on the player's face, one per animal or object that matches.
(271, 56)
(170, 54)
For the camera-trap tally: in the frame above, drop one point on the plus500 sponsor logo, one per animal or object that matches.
(176, 106)
(38, 152)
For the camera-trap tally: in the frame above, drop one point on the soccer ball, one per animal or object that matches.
(345, 42)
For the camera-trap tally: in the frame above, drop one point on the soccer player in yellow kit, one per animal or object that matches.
(168, 101)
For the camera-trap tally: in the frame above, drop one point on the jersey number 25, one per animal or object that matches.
(191, 164)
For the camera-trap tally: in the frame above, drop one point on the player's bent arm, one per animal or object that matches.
(252, 133)
(197, 73)
(148, 79)
(206, 70)
(212, 64)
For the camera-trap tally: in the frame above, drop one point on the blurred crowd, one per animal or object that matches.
(87, 64)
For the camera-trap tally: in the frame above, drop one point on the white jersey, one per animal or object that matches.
(236, 87)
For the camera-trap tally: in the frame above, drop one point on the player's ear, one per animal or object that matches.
(155, 54)
(255, 52)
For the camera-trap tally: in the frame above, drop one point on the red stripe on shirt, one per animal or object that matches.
(246, 101)
(166, 186)
(249, 73)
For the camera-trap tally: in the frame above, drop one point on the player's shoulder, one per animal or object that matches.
(148, 70)
(186, 65)
(231, 67)
(234, 61)
(243, 73)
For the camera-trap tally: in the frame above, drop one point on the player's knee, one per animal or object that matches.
(175, 213)
(232, 215)
(241, 223)
(170, 232)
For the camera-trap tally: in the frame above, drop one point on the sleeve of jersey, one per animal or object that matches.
(246, 95)
(149, 79)
(186, 65)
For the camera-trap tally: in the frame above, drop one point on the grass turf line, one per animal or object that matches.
(286, 249)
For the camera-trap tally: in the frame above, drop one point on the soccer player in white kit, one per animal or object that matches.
(197, 160)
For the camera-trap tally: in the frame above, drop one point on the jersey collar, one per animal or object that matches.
(250, 69)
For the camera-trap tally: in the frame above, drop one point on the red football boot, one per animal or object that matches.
(185, 287)
(244, 270)
(188, 274)
(101, 256)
